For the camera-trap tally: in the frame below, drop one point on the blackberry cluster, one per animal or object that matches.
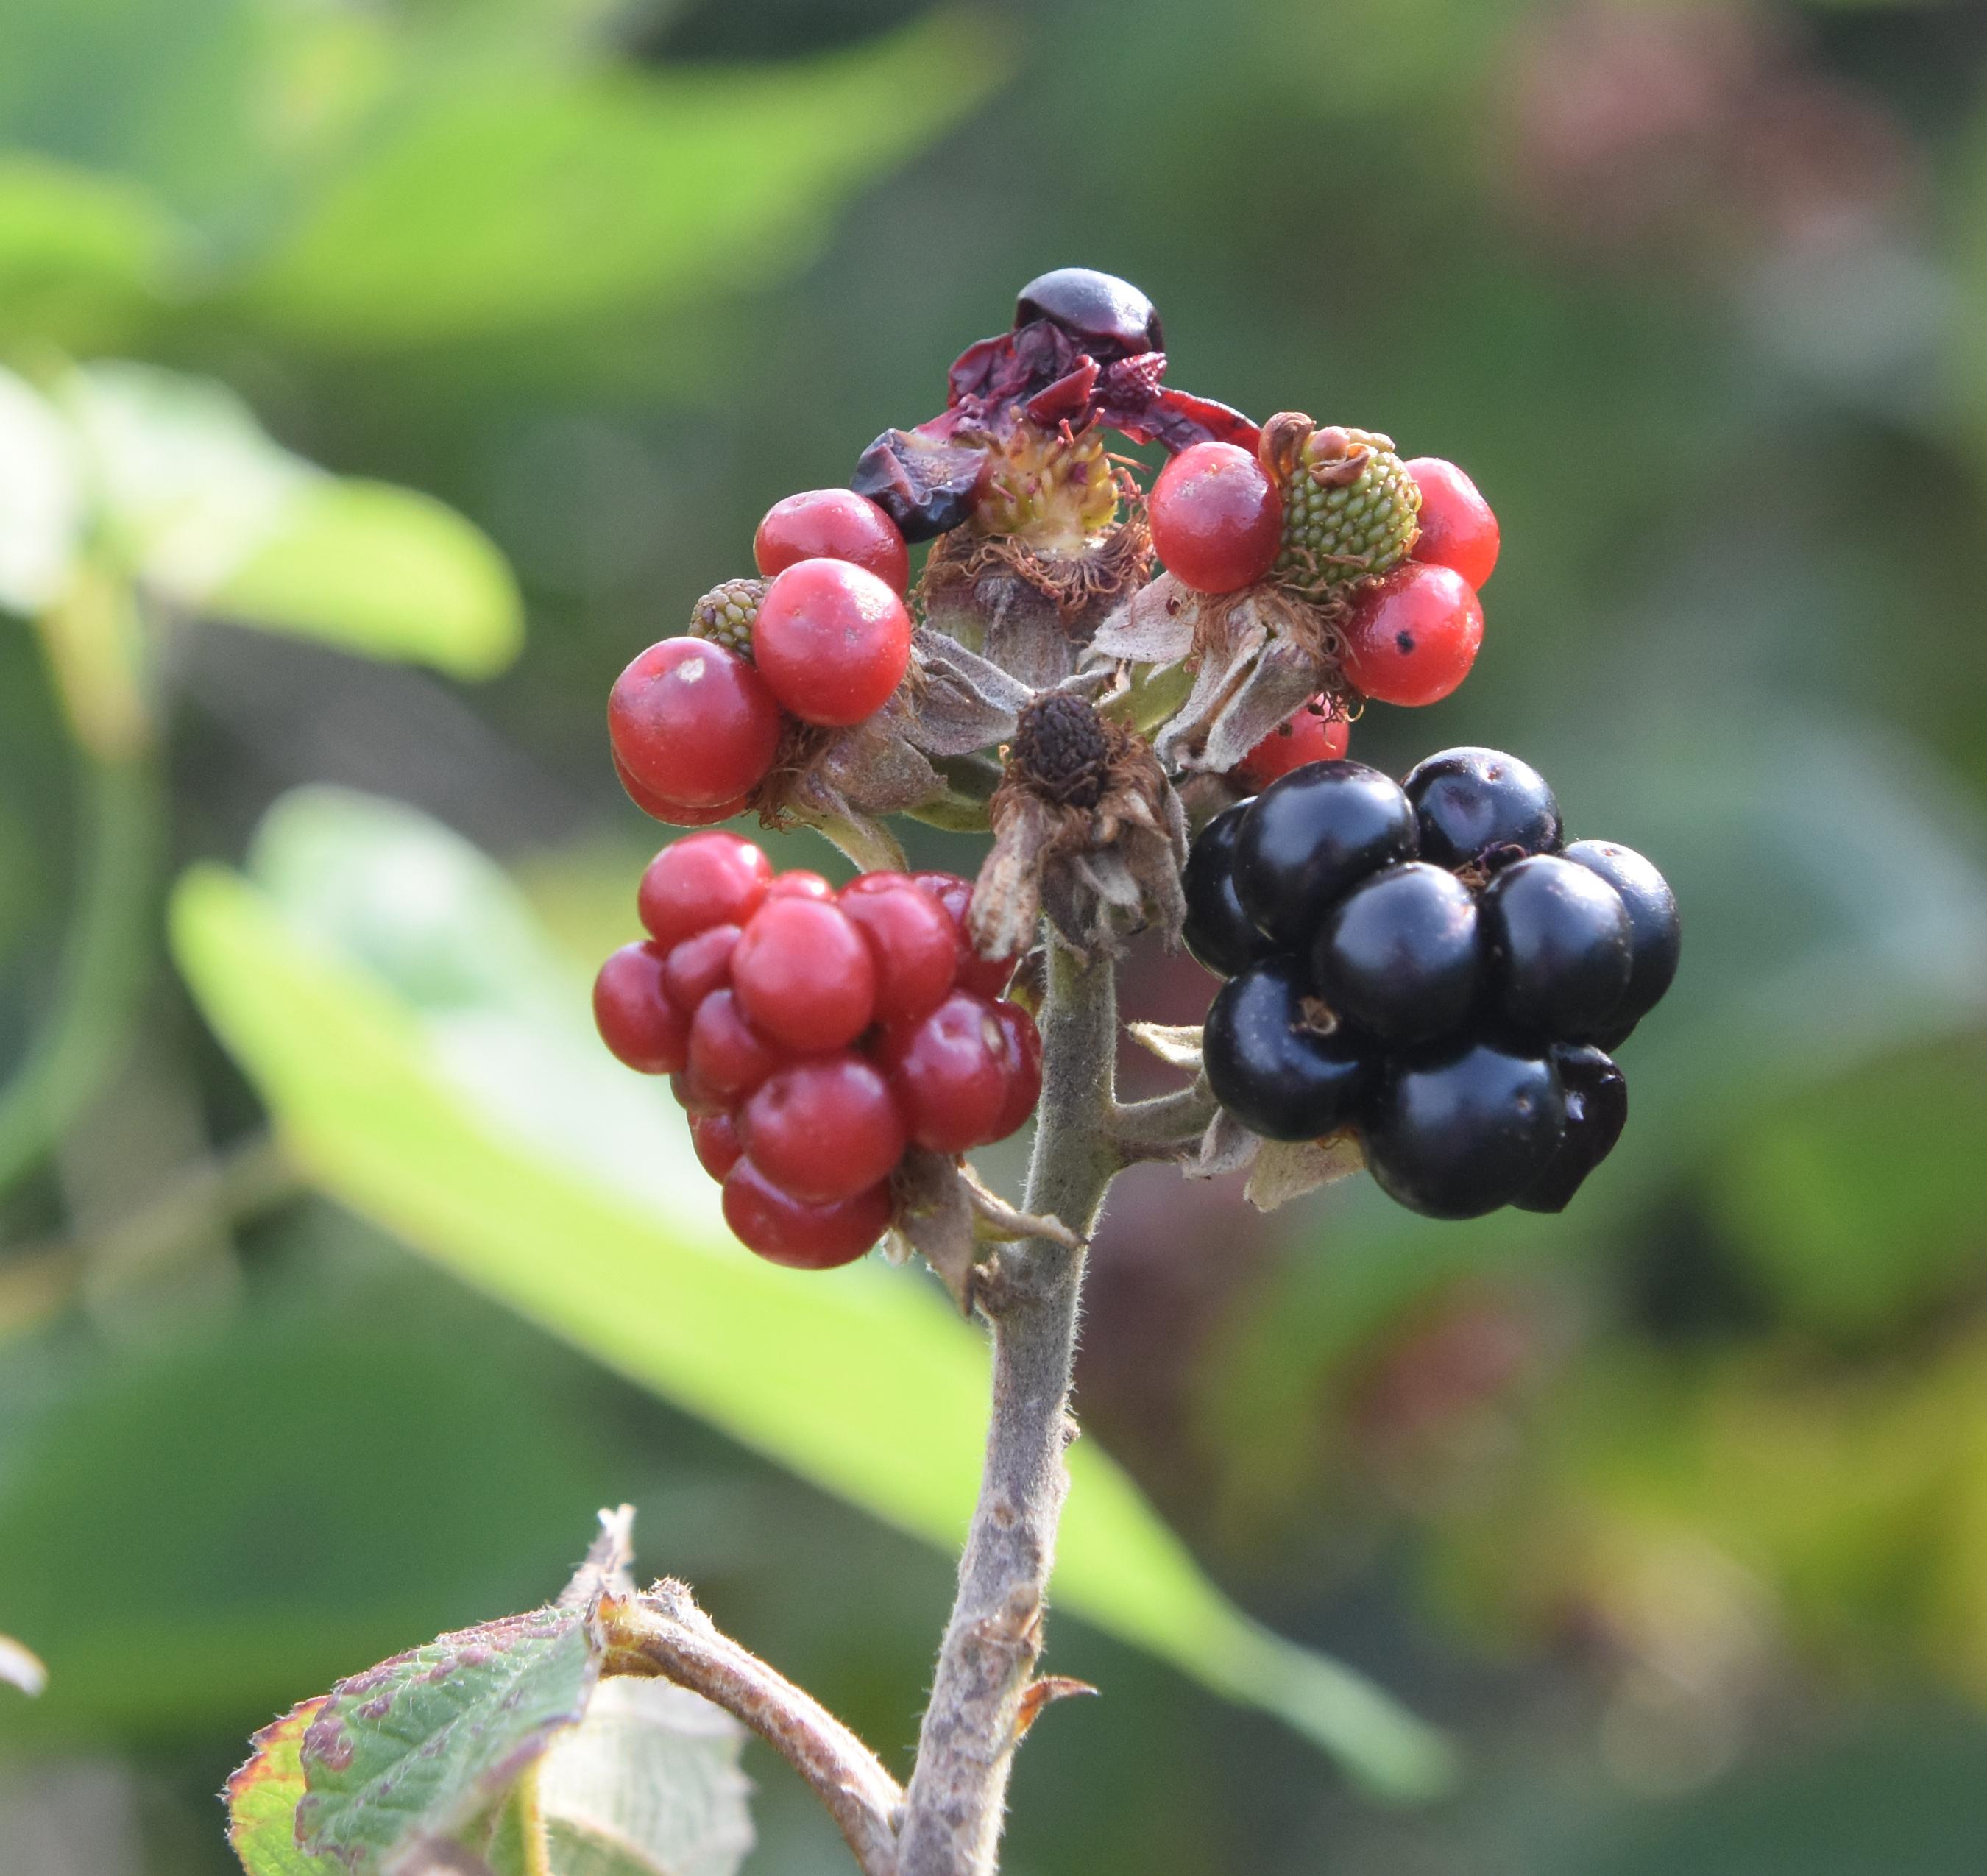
(815, 1036)
(1431, 965)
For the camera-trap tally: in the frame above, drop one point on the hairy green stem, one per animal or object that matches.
(104, 965)
(958, 1789)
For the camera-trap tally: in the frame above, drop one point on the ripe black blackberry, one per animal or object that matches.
(1430, 966)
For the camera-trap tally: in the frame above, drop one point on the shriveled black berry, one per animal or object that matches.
(1398, 956)
(926, 488)
(1099, 309)
(1557, 939)
(1218, 932)
(1655, 933)
(1471, 802)
(1596, 1110)
(1059, 750)
(1313, 835)
(1269, 1067)
(1458, 1133)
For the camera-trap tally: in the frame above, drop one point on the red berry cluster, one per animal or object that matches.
(1409, 637)
(814, 1036)
(696, 727)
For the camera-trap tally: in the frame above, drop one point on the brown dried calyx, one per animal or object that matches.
(1255, 657)
(1086, 828)
(844, 781)
(1031, 612)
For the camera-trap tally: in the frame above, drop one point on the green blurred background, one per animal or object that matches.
(1672, 1510)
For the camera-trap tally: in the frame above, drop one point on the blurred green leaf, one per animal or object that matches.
(80, 253)
(522, 192)
(41, 498)
(1849, 1199)
(263, 1797)
(422, 1745)
(499, 1139)
(210, 515)
(382, 570)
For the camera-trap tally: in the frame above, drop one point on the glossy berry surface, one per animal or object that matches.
(1090, 305)
(985, 976)
(1270, 1067)
(1216, 519)
(831, 641)
(914, 943)
(702, 880)
(1312, 835)
(728, 1056)
(692, 725)
(700, 965)
(1458, 530)
(804, 974)
(1656, 933)
(823, 1128)
(715, 1138)
(801, 884)
(1411, 637)
(832, 524)
(1399, 956)
(785, 1229)
(1024, 1064)
(1462, 1133)
(1557, 936)
(1471, 802)
(676, 813)
(952, 1073)
(632, 1011)
(1596, 1110)
(1313, 735)
(1221, 936)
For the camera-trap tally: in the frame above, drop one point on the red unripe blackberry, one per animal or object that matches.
(984, 976)
(674, 814)
(692, 725)
(633, 1013)
(914, 943)
(823, 1128)
(1458, 529)
(1312, 735)
(696, 1100)
(715, 1137)
(1411, 637)
(1024, 1068)
(702, 880)
(805, 976)
(801, 884)
(832, 640)
(700, 965)
(1217, 520)
(951, 1073)
(808, 1237)
(728, 1056)
(832, 524)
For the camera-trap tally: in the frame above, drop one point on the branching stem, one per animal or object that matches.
(958, 1789)
(665, 1633)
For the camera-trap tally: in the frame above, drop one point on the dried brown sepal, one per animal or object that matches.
(946, 1217)
(1279, 1170)
(1029, 613)
(1286, 1169)
(1095, 837)
(1176, 1045)
(844, 781)
(1257, 657)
